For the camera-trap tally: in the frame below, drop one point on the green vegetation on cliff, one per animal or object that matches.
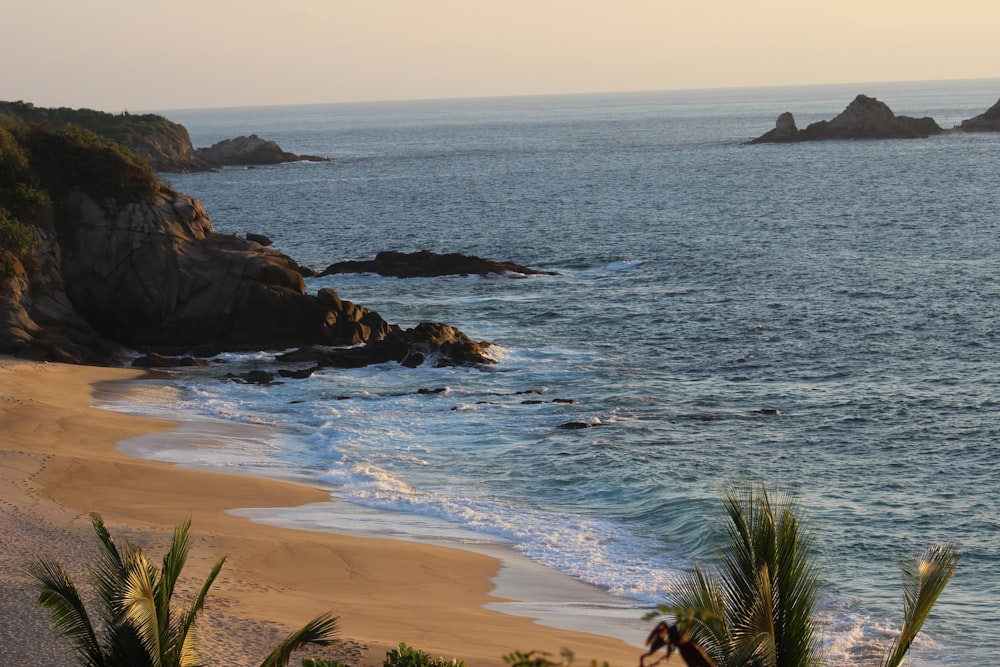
(165, 144)
(39, 164)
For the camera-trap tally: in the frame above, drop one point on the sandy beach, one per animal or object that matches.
(59, 462)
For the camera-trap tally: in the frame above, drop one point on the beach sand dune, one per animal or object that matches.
(59, 462)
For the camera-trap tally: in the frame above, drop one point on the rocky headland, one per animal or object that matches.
(864, 118)
(426, 264)
(165, 145)
(97, 255)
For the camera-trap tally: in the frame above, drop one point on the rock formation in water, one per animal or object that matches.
(988, 121)
(864, 118)
(426, 264)
(250, 150)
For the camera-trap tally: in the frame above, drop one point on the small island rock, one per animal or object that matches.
(989, 121)
(252, 150)
(864, 118)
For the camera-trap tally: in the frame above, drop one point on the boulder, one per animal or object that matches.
(864, 118)
(988, 121)
(426, 264)
(251, 150)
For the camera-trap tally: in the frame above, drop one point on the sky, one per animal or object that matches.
(137, 55)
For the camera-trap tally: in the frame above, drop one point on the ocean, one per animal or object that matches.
(820, 316)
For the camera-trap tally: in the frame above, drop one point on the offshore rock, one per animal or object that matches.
(426, 264)
(989, 121)
(864, 118)
(784, 131)
(252, 150)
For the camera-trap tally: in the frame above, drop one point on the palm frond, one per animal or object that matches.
(108, 570)
(923, 582)
(322, 630)
(139, 610)
(753, 631)
(697, 605)
(770, 578)
(185, 636)
(59, 596)
(174, 561)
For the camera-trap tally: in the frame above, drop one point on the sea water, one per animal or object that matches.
(820, 316)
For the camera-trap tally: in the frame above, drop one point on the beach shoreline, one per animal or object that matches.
(60, 461)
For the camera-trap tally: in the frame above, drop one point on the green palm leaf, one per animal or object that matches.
(58, 595)
(923, 582)
(322, 630)
(186, 638)
(174, 561)
(139, 610)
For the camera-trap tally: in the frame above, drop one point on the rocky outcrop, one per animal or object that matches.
(252, 150)
(864, 118)
(784, 131)
(989, 121)
(164, 144)
(158, 276)
(426, 264)
(427, 343)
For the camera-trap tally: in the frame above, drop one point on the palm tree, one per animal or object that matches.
(141, 628)
(757, 608)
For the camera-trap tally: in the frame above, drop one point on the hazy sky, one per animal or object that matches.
(114, 55)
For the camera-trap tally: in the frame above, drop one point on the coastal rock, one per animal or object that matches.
(154, 360)
(864, 118)
(429, 342)
(251, 150)
(259, 238)
(426, 264)
(989, 121)
(158, 276)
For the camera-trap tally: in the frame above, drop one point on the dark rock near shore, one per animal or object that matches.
(251, 150)
(259, 238)
(988, 121)
(426, 264)
(159, 277)
(428, 342)
(864, 118)
(154, 360)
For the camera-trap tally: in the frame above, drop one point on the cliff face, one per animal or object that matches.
(158, 276)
